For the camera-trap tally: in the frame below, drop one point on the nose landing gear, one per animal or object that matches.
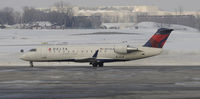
(31, 64)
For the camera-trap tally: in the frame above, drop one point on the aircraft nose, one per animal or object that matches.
(23, 57)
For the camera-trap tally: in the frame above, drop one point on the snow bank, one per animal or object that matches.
(154, 25)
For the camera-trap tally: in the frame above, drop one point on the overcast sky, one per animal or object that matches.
(170, 5)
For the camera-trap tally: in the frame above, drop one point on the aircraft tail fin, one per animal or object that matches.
(159, 38)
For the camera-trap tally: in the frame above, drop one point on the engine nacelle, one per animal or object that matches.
(124, 49)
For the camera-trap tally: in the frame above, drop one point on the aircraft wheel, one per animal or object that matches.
(100, 64)
(94, 64)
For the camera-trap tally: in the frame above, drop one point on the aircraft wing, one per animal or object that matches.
(88, 59)
(84, 59)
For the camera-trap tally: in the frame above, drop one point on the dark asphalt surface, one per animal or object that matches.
(133, 82)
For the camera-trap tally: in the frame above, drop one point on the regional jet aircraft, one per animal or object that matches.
(98, 55)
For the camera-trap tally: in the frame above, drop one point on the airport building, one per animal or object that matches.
(131, 14)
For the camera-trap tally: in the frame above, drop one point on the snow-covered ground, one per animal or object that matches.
(182, 48)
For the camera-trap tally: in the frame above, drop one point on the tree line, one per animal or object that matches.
(64, 16)
(31, 15)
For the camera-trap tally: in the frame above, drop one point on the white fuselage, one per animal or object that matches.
(98, 55)
(84, 53)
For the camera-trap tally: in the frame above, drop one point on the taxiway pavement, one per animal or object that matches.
(82, 82)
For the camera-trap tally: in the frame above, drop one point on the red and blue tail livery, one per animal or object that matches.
(159, 38)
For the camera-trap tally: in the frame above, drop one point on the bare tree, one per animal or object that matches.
(7, 16)
(67, 13)
(60, 6)
(180, 10)
(197, 21)
(28, 15)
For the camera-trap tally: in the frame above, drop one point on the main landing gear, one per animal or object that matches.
(31, 64)
(96, 64)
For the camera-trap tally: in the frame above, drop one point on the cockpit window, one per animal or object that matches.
(32, 50)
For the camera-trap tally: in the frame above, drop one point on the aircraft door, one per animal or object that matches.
(44, 52)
